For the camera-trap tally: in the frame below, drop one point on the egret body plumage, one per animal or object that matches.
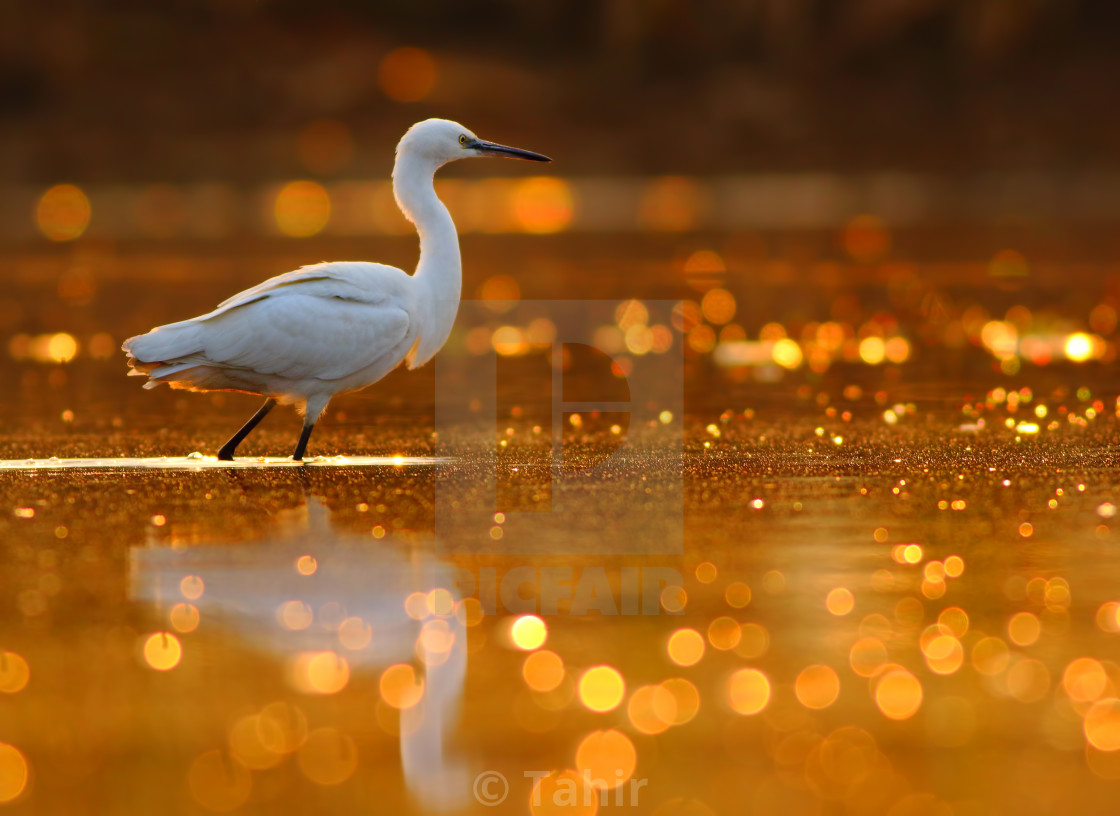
(302, 337)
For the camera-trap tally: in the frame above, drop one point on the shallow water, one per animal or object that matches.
(198, 461)
(874, 590)
(269, 584)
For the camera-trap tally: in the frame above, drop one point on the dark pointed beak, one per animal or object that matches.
(491, 149)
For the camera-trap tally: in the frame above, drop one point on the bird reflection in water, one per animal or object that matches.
(364, 595)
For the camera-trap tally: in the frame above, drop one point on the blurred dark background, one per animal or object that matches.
(123, 90)
(915, 190)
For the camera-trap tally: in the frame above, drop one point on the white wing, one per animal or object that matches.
(326, 321)
(298, 336)
(352, 280)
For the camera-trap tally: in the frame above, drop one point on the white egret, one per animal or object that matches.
(325, 329)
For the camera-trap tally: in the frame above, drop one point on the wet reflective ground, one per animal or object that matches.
(897, 590)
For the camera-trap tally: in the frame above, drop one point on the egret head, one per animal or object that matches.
(440, 141)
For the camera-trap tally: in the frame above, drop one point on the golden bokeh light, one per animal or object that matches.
(686, 698)
(606, 758)
(1108, 617)
(737, 594)
(907, 553)
(469, 612)
(898, 693)
(219, 782)
(673, 599)
(184, 617)
(63, 213)
(252, 740)
(543, 671)
(990, 656)
(1079, 347)
(748, 691)
(718, 306)
(435, 642)
(944, 654)
(934, 572)
(1085, 680)
(509, 341)
(840, 601)
(724, 633)
(1001, 339)
(191, 587)
(543, 205)
(685, 647)
(1105, 764)
(354, 633)
(601, 688)
(704, 262)
(319, 673)
(1024, 628)
(14, 772)
(501, 292)
(754, 641)
(416, 605)
(528, 632)
(400, 687)
(898, 350)
(702, 339)
(306, 565)
(283, 727)
(61, 348)
(301, 209)
(328, 757)
(1102, 724)
(295, 615)
(787, 353)
(439, 602)
(407, 74)
(1056, 595)
(162, 651)
(867, 656)
(631, 314)
(14, 673)
(872, 350)
(652, 709)
(954, 619)
(817, 686)
(706, 572)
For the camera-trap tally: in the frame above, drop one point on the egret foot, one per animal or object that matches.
(301, 446)
(225, 453)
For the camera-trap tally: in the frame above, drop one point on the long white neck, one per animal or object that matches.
(439, 273)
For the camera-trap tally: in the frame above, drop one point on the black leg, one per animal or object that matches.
(226, 452)
(301, 447)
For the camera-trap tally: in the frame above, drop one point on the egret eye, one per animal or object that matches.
(463, 139)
